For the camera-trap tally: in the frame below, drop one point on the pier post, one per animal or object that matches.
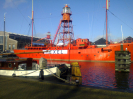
(42, 64)
(122, 60)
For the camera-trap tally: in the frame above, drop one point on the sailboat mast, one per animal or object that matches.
(106, 23)
(32, 24)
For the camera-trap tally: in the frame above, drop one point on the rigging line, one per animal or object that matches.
(34, 30)
(26, 28)
(120, 19)
(104, 27)
(21, 26)
(23, 21)
(20, 40)
(20, 11)
(128, 7)
(29, 28)
(48, 17)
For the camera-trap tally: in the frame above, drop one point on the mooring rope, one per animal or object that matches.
(71, 82)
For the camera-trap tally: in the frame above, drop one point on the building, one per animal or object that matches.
(16, 41)
(10, 44)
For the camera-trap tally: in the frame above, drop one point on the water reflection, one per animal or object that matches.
(122, 80)
(98, 74)
(130, 79)
(103, 75)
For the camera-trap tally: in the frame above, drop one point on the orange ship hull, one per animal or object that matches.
(73, 53)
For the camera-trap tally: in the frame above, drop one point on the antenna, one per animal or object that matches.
(32, 24)
(4, 32)
(66, 4)
(122, 34)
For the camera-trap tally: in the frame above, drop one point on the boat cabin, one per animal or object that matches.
(82, 42)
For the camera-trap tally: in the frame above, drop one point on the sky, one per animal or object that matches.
(88, 16)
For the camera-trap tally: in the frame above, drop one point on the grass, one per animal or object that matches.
(24, 88)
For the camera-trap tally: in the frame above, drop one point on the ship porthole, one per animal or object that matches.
(9, 65)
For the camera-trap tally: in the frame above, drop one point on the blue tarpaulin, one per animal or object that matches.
(37, 43)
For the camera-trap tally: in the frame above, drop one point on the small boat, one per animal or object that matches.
(24, 67)
(30, 68)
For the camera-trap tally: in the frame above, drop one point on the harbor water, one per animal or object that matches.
(103, 75)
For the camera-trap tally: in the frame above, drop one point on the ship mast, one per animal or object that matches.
(107, 7)
(32, 24)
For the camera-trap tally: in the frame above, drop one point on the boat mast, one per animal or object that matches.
(32, 24)
(106, 23)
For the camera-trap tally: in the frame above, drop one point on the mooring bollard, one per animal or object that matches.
(41, 75)
(14, 75)
(42, 64)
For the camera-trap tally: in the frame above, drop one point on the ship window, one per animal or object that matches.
(9, 65)
(82, 40)
(128, 44)
(94, 55)
(98, 51)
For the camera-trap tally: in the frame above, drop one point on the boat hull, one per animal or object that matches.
(28, 73)
(103, 54)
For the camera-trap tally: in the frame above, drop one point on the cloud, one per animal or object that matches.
(12, 3)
